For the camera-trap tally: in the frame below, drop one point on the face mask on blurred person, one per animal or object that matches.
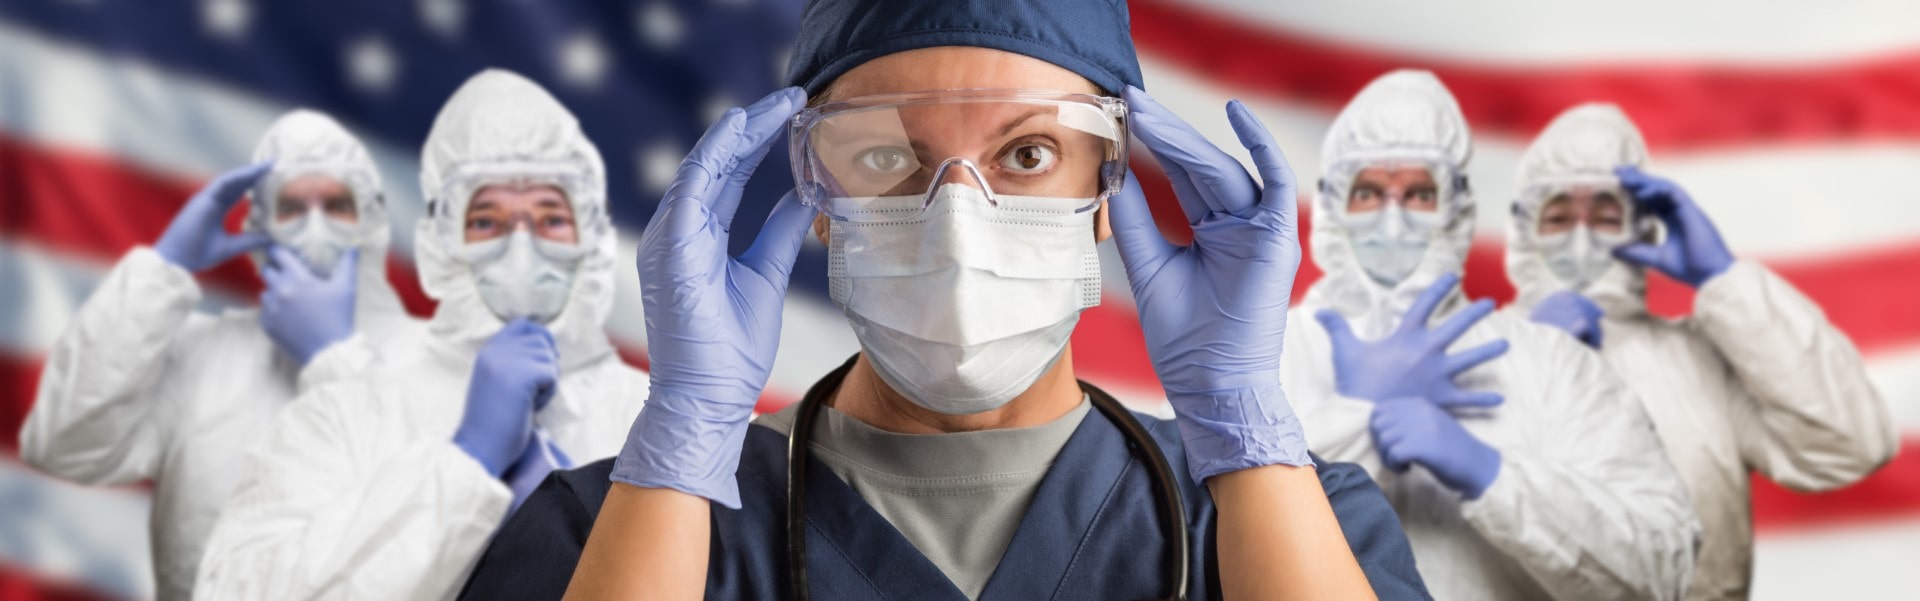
(318, 239)
(1390, 242)
(523, 276)
(1580, 255)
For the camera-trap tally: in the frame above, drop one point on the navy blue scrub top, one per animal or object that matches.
(1091, 532)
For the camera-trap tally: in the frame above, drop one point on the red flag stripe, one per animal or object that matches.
(17, 584)
(1678, 106)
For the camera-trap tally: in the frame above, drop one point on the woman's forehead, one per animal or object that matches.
(955, 68)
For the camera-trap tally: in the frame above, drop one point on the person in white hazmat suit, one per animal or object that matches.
(1754, 380)
(141, 386)
(1533, 474)
(390, 487)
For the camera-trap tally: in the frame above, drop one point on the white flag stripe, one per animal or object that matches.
(1500, 32)
(1856, 561)
(63, 532)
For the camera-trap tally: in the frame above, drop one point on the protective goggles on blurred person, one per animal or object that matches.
(1441, 191)
(883, 158)
(453, 213)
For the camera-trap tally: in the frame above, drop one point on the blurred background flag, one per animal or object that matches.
(1797, 126)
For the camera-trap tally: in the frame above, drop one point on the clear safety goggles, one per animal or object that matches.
(1536, 196)
(589, 218)
(349, 175)
(859, 159)
(1340, 186)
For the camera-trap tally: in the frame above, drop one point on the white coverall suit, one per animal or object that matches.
(1755, 380)
(143, 387)
(363, 493)
(1585, 505)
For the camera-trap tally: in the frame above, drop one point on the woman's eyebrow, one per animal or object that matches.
(1008, 128)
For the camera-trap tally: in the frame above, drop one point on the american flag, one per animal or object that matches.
(1797, 125)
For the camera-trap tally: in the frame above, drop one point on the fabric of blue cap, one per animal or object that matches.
(1088, 37)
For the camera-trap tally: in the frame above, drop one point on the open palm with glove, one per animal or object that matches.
(1408, 375)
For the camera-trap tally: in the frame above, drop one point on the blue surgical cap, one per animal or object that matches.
(1088, 37)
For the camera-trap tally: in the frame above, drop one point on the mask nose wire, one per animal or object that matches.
(940, 175)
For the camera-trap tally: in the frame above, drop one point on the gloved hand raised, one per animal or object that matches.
(1693, 252)
(513, 377)
(196, 240)
(302, 312)
(1412, 361)
(1413, 430)
(713, 321)
(1570, 311)
(1215, 312)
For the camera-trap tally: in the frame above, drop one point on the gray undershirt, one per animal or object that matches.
(957, 497)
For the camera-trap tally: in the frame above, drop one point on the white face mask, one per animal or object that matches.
(318, 239)
(522, 276)
(964, 307)
(1580, 255)
(1389, 243)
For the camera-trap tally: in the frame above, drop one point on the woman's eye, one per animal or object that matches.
(885, 160)
(1029, 158)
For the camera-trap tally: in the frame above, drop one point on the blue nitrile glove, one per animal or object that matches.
(197, 240)
(539, 459)
(513, 377)
(1215, 312)
(1569, 311)
(302, 312)
(1414, 430)
(1412, 361)
(713, 321)
(1693, 252)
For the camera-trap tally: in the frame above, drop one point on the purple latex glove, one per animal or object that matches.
(303, 312)
(513, 377)
(197, 240)
(1215, 312)
(1412, 361)
(1692, 252)
(713, 320)
(1409, 431)
(1569, 311)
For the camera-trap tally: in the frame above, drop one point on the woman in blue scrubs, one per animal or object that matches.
(960, 160)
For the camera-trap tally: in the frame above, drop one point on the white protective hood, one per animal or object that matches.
(1583, 144)
(1404, 116)
(305, 142)
(501, 124)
